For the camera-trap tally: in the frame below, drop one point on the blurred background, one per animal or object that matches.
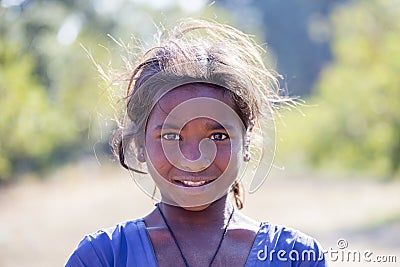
(337, 167)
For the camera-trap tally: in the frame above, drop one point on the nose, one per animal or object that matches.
(195, 156)
(190, 149)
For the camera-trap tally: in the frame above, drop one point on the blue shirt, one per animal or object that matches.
(129, 244)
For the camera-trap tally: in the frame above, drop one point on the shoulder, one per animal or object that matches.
(286, 236)
(105, 246)
(282, 244)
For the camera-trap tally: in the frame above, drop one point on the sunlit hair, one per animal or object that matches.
(194, 51)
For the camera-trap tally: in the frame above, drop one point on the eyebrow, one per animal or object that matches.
(167, 126)
(211, 126)
(217, 126)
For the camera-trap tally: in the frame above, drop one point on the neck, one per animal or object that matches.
(217, 213)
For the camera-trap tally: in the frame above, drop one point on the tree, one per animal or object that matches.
(48, 90)
(356, 123)
(30, 126)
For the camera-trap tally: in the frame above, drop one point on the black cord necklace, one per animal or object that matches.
(176, 241)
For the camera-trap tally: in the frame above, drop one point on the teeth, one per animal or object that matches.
(192, 183)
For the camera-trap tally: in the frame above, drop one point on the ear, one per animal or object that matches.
(246, 145)
(247, 137)
(141, 154)
(140, 144)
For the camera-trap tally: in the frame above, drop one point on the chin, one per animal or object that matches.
(197, 208)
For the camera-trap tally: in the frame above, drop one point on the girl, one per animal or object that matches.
(193, 103)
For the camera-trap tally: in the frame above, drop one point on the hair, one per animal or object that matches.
(194, 51)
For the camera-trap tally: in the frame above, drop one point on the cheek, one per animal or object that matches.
(229, 153)
(156, 156)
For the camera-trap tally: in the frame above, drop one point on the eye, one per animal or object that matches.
(171, 137)
(218, 136)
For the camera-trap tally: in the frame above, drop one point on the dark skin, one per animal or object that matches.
(198, 229)
(198, 234)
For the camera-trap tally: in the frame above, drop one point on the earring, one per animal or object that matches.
(246, 155)
(246, 152)
(140, 156)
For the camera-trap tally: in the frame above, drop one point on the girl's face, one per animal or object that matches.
(194, 142)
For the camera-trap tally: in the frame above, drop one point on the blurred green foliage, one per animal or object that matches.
(353, 120)
(30, 126)
(49, 94)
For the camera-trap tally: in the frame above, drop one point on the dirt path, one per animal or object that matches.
(42, 222)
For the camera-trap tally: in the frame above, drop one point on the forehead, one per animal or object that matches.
(187, 92)
(192, 101)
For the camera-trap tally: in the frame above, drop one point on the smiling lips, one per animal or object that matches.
(188, 183)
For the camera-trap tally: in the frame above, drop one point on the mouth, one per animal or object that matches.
(189, 183)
